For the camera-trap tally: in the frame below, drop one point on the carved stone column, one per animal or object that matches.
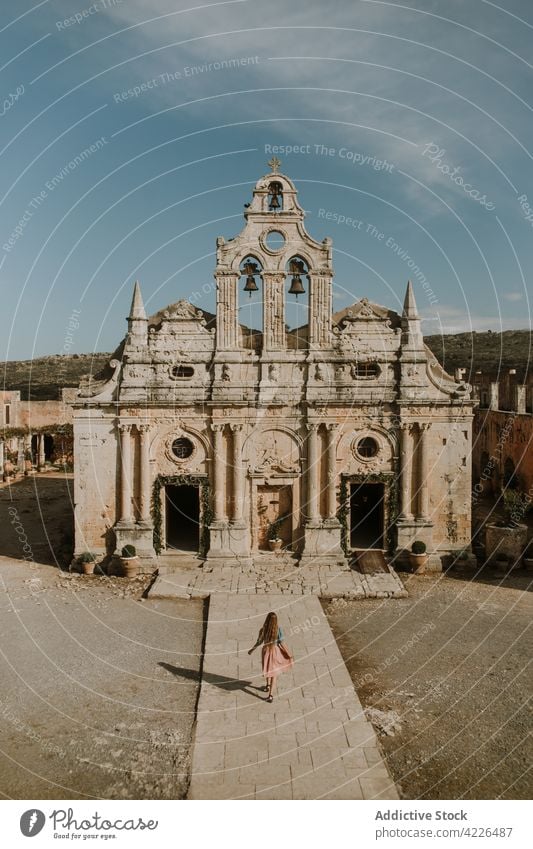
(423, 465)
(238, 480)
(144, 476)
(219, 505)
(331, 457)
(406, 454)
(274, 334)
(40, 452)
(126, 513)
(312, 471)
(227, 311)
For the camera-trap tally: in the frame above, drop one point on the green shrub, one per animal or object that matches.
(418, 547)
(129, 551)
(515, 506)
(87, 557)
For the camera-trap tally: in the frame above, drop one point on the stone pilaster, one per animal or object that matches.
(274, 334)
(227, 311)
(312, 472)
(320, 309)
(219, 501)
(238, 479)
(331, 457)
(126, 511)
(406, 455)
(144, 474)
(423, 482)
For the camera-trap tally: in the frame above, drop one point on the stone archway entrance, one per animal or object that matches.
(274, 514)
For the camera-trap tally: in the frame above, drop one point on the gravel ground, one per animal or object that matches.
(445, 677)
(89, 705)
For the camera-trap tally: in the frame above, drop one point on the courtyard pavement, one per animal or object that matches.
(277, 574)
(312, 742)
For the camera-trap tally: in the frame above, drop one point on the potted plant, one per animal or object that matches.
(87, 561)
(418, 557)
(274, 541)
(509, 535)
(129, 561)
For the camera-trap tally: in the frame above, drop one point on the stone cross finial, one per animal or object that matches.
(274, 164)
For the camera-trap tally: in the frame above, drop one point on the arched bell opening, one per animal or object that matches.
(251, 294)
(275, 196)
(297, 300)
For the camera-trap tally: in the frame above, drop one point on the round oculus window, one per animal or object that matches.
(182, 448)
(367, 447)
(274, 240)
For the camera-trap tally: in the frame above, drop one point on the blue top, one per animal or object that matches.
(278, 640)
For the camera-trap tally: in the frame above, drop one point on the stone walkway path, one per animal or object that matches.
(312, 742)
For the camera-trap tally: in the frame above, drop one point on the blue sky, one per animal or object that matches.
(413, 120)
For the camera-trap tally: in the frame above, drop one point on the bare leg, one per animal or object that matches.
(271, 687)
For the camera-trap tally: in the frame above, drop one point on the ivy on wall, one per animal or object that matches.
(206, 516)
(392, 511)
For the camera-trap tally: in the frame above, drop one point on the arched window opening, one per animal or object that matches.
(509, 474)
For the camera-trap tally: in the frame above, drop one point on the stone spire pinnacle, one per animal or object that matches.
(409, 304)
(137, 307)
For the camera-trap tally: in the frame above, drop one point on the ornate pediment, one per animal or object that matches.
(364, 311)
(183, 311)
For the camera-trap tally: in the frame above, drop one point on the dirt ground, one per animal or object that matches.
(91, 704)
(445, 676)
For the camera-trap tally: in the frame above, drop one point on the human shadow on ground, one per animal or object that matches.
(222, 681)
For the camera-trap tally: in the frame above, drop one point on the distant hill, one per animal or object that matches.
(492, 353)
(41, 379)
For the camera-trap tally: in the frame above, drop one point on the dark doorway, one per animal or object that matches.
(48, 447)
(366, 515)
(182, 517)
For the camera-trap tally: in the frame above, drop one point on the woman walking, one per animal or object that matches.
(275, 655)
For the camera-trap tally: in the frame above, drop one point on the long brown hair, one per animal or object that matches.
(269, 631)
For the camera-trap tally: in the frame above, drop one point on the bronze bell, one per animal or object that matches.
(250, 268)
(275, 190)
(296, 268)
(297, 287)
(250, 285)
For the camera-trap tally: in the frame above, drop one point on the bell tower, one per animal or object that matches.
(274, 255)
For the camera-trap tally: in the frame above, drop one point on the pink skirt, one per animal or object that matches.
(274, 661)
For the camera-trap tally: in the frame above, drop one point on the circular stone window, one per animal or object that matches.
(182, 448)
(367, 447)
(274, 240)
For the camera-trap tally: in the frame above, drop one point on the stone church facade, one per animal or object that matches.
(207, 438)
